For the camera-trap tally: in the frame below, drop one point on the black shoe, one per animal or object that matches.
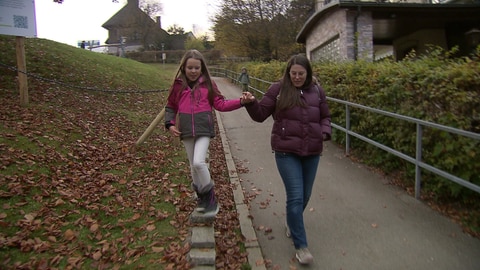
(202, 202)
(211, 205)
(197, 196)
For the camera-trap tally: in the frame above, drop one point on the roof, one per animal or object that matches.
(128, 14)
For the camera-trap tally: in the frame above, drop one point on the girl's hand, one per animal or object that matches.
(174, 131)
(247, 97)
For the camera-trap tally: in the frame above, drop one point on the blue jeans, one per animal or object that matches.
(298, 175)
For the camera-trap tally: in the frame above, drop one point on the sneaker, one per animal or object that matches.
(287, 230)
(211, 207)
(304, 256)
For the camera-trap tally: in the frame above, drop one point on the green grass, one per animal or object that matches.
(83, 68)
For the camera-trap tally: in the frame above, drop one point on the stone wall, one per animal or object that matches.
(334, 38)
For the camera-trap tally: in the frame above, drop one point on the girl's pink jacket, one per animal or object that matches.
(191, 111)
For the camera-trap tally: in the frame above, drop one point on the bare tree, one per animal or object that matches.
(260, 29)
(152, 8)
(176, 30)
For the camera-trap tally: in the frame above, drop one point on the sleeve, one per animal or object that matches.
(221, 104)
(171, 108)
(259, 111)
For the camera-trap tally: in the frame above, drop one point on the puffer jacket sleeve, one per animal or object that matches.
(171, 108)
(220, 103)
(259, 111)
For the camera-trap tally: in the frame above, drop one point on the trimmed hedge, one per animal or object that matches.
(172, 57)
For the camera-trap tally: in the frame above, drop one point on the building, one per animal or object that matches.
(132, 29)
(342, 30)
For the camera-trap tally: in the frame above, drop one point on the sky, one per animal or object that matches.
(77, 20)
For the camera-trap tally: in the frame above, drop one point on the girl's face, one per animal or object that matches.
(298, 75)
(193, 69)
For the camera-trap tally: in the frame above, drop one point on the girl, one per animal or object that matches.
(188, 115)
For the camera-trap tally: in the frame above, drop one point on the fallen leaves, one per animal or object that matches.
(72, 190)
(69, 235)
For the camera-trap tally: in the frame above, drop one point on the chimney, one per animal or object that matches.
(133, 2)
(159, 21)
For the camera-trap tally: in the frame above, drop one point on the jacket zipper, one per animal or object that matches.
(192, 107)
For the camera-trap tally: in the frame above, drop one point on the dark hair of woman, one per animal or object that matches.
(289, 95)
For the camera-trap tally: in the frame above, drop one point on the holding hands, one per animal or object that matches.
(246, 98)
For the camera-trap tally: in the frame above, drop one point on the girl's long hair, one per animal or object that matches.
(195, 54)
(289, 97)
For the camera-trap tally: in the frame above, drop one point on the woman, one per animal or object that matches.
(191, 99)
(301, 125)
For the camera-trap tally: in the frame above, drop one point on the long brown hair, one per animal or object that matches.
(195, 54)
(289, 96)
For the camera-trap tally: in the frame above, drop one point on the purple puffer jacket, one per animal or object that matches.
(298, 130)
(194, 111)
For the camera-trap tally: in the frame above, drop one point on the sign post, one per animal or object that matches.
(164, 56)
(17, 18)
(22, 70)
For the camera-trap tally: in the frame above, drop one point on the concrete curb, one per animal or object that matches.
(202, 238)
(255, 256)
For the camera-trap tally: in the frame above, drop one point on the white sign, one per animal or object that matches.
(17, 18)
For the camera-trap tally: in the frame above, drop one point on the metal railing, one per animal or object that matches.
(255, 83)
(420, 125)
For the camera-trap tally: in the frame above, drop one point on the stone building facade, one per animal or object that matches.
(344, 30)
(336, 36)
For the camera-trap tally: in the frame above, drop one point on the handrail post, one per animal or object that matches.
(418, 159)
(347, 127)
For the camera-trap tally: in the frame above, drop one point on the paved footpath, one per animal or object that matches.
(355, 219)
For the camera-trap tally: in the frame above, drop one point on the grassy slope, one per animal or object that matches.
(73, 192)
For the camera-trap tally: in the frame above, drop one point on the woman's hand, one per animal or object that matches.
(246, 98)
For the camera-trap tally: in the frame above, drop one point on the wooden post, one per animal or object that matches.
(151, 127)
(22, 69)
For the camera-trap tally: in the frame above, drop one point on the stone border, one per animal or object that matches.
(255, 256)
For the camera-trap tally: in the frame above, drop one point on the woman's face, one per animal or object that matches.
(193, 69)
(298, 75)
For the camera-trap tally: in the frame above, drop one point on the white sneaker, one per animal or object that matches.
(304, 256)
(287, 230)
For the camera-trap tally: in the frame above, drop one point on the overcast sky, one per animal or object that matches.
(76, 20)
